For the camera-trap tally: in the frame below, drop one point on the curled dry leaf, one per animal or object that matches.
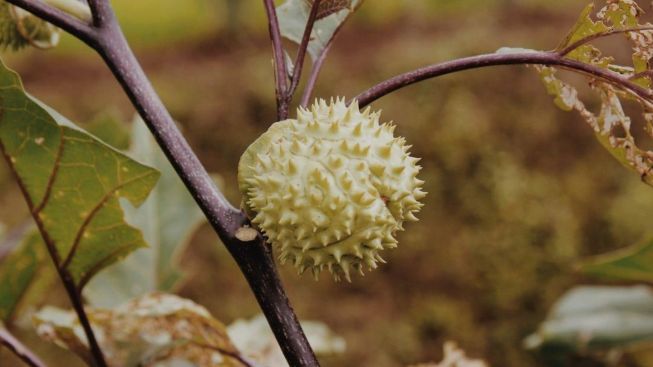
(157, 329)
(19, 28)
(328, 7)
(454, 357)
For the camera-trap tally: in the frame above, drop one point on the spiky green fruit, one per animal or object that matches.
(331, 188)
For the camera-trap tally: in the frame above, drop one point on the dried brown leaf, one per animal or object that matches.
(147, 331)
(328, 7)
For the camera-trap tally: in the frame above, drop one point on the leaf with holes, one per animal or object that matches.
(167, 218)
(617, 16)
(585, 28)
(293, 16)
(71, 182)
(611, 124)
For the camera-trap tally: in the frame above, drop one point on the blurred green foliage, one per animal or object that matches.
(519, 192)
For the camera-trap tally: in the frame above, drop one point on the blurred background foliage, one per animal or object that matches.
(519, 191)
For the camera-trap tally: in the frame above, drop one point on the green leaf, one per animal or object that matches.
(634, 263)
(597, 318)
(153, 330)
(71, 182)
(110, 129)
(19, 271)
(293, 16)
(167, 219)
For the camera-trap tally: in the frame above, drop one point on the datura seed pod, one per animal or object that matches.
(331, 188)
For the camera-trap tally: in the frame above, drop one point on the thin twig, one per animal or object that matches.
(281, 69)
(641, 74)
(301, 53)
(583, 41)
(315, 72)
(19, 349)
(317, 64)
(517, 58)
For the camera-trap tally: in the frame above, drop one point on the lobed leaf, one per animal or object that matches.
(71, 182)
(167, 219)
(155, 329)
(293, 16)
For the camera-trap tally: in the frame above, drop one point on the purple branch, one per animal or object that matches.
(518, 58)
(19, 349)
(315, 72)
(594, 36)
(101, 10)
(317, 66)
(281, 70)
(303, 47)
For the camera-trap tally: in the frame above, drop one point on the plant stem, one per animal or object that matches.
(317, 66)
(303, 47)
(315, 72)
(78, 305)
(281, 69)
(19, 349)
(517, 58)
(254, 259)
(594, 36)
